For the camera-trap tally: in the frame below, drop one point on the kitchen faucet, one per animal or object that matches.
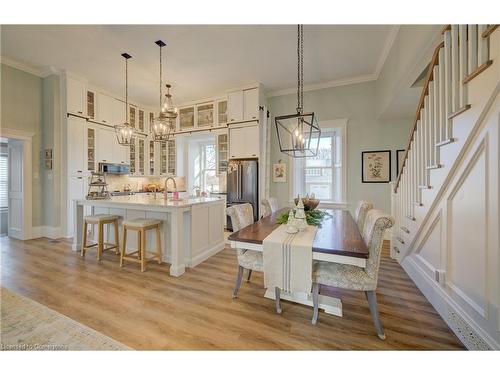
(175, 186)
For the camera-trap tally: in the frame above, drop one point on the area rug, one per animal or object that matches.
(28, 325)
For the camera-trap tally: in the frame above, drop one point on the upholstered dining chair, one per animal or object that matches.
(349, 277)
(360, 214)
(270, 205)
(241, 216)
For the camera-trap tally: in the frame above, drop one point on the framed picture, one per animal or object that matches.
(279, 172)
(376, 166)
(400, 154)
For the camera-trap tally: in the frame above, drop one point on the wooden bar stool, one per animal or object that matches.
(139, 256)
(100, 220)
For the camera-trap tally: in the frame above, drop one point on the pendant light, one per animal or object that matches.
(299, 133)
(163, 126)
(124, 131)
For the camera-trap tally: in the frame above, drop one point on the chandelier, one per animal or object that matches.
(124, 131)
(299, 133)
(163, 126)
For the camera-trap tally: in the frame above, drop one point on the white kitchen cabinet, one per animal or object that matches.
(186, 118)
(250, 104)
(91, 105)
(76, 190)
(105, 105)
(235, 106)
(132, 115)
(91, 147)
(221, 112)
(119, 112)
(205, 115)
(222, 152)
(75, 145)
(132, 157)
(106, 138)
(140, 120)
(172, 157)
(244, 142)
(151, 157)
(243, 105)
(140, 156)
(163, 156)
(75, 96)
(120, 152)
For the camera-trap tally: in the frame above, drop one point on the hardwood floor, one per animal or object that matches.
(152, 310)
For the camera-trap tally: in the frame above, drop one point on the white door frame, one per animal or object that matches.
(27, 138)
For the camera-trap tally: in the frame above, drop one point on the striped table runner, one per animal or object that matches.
(288, 259)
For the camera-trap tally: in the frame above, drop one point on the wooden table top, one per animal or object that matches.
(338, 234)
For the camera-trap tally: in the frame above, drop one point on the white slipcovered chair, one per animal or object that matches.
(357, 278)
(360, 214)
(241, 216)
(270, 205)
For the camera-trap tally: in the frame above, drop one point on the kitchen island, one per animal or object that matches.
(192, 229)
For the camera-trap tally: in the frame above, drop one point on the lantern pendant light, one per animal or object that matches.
(124, 131)
(163, 126)
(299, 133)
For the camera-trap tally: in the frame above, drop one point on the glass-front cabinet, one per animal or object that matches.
(132, 157)
(221, 112)
(186, 118)
(91, 148)
(131, 116)
(205, 115)
(140, 156)
(163, 158)
(141, 121)
(151, 158)
(171, 157)
(222, 150)
(91, 105)
(151, 122)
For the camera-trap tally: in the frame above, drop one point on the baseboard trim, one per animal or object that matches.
(46, 231)
(467, 331)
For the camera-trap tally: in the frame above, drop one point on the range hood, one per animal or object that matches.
(112, 168)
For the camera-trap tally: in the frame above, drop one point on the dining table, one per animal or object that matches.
(337, 240)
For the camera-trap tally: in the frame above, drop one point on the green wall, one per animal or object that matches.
(365, 132)
(21, 101)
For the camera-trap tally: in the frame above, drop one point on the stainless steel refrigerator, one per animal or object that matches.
(243, 185)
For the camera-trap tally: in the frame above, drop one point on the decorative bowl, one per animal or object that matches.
(309, 204)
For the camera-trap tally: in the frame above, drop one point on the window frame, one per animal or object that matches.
(340, 124)
(202, 165)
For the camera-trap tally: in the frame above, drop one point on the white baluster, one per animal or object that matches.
(430, 123)
(455, 77)
(472, 31)
(462, 65)
(443, 117)
(483, 48)
(448, 85)
(436, 115)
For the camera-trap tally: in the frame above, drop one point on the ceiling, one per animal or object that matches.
(200, 61)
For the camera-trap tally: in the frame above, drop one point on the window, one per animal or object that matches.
(323, 175)
(207, 168)
(3, 181)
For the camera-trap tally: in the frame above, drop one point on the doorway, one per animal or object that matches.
(15, 183)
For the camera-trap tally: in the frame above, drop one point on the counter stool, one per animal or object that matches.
(139, 256)
(100, 220)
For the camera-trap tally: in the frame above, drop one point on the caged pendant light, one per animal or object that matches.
(299, 133)
(163, 126)
(124, 131)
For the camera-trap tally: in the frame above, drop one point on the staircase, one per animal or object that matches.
(446, 198)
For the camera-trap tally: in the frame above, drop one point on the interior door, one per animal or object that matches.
(15, 193)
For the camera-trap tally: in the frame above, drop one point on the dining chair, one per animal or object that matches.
(241, 216)
(270, 205)
(350, 277)
(360, 214)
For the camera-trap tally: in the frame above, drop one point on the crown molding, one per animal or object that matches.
(393, 33)
(325, 85)
(42, 73)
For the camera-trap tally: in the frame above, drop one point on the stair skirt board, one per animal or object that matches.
(471, 335)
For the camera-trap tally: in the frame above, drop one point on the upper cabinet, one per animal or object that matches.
(105, 105)
(151, 122)
(186, 118)
(132, 113)
(221, 112)
(140, 121)
(91, 105)
(244, 142)
(205, 115)
(75, 96)
(75, 144)
(235, 106)
(119, 112)
(243, 105)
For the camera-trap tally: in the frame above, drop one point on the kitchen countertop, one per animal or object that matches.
(145, 201)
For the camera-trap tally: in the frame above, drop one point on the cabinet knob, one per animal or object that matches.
(104, 121)
(254, 117)
(80, 112)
